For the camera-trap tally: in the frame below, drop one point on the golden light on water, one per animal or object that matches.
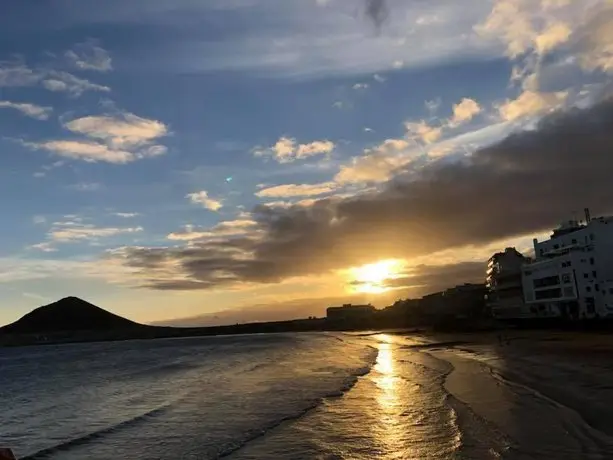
(373, 278)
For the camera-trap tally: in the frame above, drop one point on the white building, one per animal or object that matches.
(572, 275)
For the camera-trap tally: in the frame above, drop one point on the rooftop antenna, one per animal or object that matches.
(588, 218)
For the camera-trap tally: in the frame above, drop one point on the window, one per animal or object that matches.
(556, 246)
(569, 292)
(611, 291)
(588, 289)
(591, 260)
(586, 276)
(566, 278)
(590, 304)
(547, 281)
(594, 274)
(596, 287)
(592, 237)
(548, 294)
(574, 241)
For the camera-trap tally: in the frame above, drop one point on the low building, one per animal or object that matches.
(462, 301)
(350, 312)
(505, 295)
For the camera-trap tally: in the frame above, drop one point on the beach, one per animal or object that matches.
(369, 395)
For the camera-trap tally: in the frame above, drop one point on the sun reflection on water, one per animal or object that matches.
(391, 432)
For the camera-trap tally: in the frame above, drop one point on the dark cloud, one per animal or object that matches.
(425, 279)
(376, 11)
(526, 183)
(421, 280)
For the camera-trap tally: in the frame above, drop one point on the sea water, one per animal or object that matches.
(295, 396)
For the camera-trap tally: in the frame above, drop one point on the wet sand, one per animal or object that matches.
(549, 393)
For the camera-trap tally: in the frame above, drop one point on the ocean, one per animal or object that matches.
(294, 396)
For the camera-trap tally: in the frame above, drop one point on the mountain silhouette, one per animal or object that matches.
(69, 314)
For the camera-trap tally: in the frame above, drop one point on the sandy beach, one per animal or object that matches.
(549, 393)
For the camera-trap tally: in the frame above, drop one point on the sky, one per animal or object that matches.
(223, 161)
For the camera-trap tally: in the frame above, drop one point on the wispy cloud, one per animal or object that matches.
(84, 150)
(227, 228)
(31, 110)
(90, 56)
(67, 232)
(86, 186)
(126, 215)
(59, 81)
(17, 74)
(120, 139)
(43, 247)
(295, 190)
(202, 198)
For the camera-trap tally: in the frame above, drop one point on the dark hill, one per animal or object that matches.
(66, 315)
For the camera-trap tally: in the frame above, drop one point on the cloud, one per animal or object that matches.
(517, 186)
(530, 103)
(552, 36)
(120, 139)
(287, 150)
(84, 150)
(424, 131)
(17, 74)
(464, 111)
(525, 26)
(359, 86)
(124, 131)
(376, 11)
(43, 247)
(69, 232)
(227, 228)
(86, 186)
(202, 198)
(594, 41)
(65, 82)
(126, 215)
(31, 110)
(425, 279)
(294, 190)
(377, 164)
(89, 56)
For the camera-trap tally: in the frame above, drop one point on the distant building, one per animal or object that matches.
(464, 300)
(572, 276)
(505, 296)
(350, 312)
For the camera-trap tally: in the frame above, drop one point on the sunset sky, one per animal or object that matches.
(240, 160)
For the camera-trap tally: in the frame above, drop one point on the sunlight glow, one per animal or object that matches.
(373, 278)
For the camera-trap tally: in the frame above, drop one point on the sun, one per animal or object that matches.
(372, 278)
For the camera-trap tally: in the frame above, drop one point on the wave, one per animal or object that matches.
(96, 435)
(347, 385)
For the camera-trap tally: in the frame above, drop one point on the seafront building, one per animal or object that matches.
(571, 276)
(505, 294)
